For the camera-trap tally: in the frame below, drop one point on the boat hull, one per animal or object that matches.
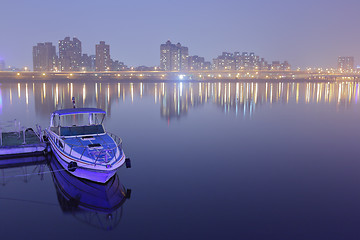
(88, 195)
(89, 173)
(95, 176)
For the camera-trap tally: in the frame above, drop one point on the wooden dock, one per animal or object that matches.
(22, 143)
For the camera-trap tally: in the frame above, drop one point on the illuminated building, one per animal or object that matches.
(263, 65)
(345, 63)
(277, 65)
(44, 57)
(226, 61)
(118, 66)
(173, 57)
(86, 63)
(198, 63)
(246, 61)
(69, 54)
(102, 60)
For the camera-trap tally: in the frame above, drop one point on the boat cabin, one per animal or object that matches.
(75, 122)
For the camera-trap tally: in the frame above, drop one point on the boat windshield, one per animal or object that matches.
(78, 124)
(79, 119)
(81, 130)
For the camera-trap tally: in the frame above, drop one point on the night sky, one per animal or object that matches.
(306, 33)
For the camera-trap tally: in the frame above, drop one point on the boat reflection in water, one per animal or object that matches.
(99, 205)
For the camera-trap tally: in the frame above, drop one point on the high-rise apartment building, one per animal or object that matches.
(102, 60)
(198, 63)
(44, 57)
(345, 63)
(173, 57)
(69, 54)
(246, 61)
(86, 63)
(226, 61)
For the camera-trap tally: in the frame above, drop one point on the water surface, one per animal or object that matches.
(210, 161)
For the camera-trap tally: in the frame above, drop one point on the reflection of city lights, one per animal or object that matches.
(10, 95)
(237, 91)
(229, 93)
(141, 89)
(297, 92)
(96, 92)
(181, 88)
(26, 94)
(44, 88)
(307, 93)
(240, 98)
(219, 87)
(191, 95)
(1, 102)
(132, 92)
(118, 90)
(19, 95)
(155, 95)
(84, 94)
(357, 93)
(256, 93)
(108, 93)
(56, 94)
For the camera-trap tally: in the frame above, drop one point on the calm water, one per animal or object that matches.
(209, 161)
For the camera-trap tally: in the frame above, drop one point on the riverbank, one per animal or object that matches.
(161, 76)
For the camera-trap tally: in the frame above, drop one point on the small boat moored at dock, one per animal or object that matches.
(82, 146)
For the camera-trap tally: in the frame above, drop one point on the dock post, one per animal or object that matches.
(23, 130)
(19, 128)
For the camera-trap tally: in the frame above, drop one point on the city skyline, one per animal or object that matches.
(312, 35)
(173, 57)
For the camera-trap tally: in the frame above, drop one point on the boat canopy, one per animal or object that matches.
(72, 117)
(71, 111)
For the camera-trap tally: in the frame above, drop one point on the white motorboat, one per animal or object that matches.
(82, 146)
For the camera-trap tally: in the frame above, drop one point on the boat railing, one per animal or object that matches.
(96, 152)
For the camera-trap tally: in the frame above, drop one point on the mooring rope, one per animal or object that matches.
(29, 201)
(32, 174)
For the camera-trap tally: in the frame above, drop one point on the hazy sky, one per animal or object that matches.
(307, 32)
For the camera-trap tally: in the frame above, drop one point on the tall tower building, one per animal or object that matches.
(44, 57)
(69, 54)
(173, 57)
(345, 63)
(102, 59)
